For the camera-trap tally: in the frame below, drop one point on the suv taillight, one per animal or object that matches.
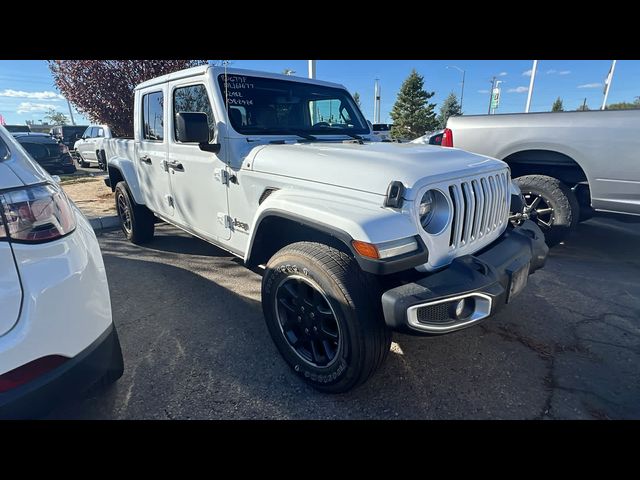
(447, 138)
(36, 214)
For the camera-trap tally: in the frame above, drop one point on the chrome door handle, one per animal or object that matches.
(174, 165)
(146, 159)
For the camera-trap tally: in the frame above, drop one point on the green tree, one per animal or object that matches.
(624, 105)
(557, 105)
(356, 98)
(412, 113)
(449, 108)
(55, 117)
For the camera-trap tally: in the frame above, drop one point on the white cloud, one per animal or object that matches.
(502, 74)
(483, 91)
(551, 72)
(564, 72)
(527, 73)
(27, 107)
(590, 85)
(46, 95)
(518, 90)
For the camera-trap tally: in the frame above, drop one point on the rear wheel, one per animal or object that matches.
(324, 315)
(137, 221)
(551, 204)
(101, 159)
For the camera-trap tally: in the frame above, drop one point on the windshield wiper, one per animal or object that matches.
(353, 135)
(299, 133)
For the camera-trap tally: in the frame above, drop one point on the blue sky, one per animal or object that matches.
(26, 86)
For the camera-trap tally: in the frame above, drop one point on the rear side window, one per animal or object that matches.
(193, 99)
(153, 116)
(100, 132)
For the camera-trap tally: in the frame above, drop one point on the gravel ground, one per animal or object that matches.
(91, 196)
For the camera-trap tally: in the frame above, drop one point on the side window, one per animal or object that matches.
(193, 99)
(100, 132)
(153, 116)
(87, 133)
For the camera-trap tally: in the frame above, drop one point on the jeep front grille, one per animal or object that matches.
(479, 207)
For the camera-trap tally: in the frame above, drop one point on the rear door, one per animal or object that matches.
(10, 289)
(152, 148)
(198, 178)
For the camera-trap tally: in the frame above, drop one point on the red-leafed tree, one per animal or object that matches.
(102, 90)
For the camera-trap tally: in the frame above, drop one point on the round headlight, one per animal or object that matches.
(433, 211)
(426, 208)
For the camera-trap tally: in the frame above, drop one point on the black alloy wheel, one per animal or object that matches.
(308, 321)
(124, 212)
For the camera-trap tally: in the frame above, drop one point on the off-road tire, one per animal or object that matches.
(354, 297)
(566, 210)
(140, 227)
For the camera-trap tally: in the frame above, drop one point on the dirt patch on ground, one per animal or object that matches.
(91, 196)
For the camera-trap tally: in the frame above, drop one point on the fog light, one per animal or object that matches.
(462, 308)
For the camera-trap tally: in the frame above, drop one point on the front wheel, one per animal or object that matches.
(81, 161)
(137, 221)
(551, 204)
(324, 315)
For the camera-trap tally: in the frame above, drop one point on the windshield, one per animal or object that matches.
(258, 105)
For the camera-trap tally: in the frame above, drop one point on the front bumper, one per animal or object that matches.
(37, 397)
(484, 281)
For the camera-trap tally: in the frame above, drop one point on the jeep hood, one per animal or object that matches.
(370, 167)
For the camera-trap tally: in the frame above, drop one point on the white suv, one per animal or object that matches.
(89, 148)
(53, 341)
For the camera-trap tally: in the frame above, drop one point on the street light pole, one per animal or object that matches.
(607, 84)
(73, 122)
(462, 91)
(533, 79)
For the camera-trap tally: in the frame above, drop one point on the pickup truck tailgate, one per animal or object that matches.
(10, 289)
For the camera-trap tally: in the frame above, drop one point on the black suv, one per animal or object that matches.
(47, 151)
(68, 134)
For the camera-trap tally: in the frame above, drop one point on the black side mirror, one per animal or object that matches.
(193, 127)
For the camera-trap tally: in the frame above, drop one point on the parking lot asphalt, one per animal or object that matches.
(196, 346)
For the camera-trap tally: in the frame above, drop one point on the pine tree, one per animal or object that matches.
(412, 113)
(356, 98)
(557, 105)
(450, 108)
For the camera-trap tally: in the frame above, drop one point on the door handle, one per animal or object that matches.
(146, 159)
(174, 165)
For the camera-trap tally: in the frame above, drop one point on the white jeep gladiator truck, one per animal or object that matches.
(357, 238)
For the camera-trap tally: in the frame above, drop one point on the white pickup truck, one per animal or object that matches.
(357, 238)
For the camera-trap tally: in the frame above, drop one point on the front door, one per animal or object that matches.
(152, 150)
(197, 177)
(84, 147)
